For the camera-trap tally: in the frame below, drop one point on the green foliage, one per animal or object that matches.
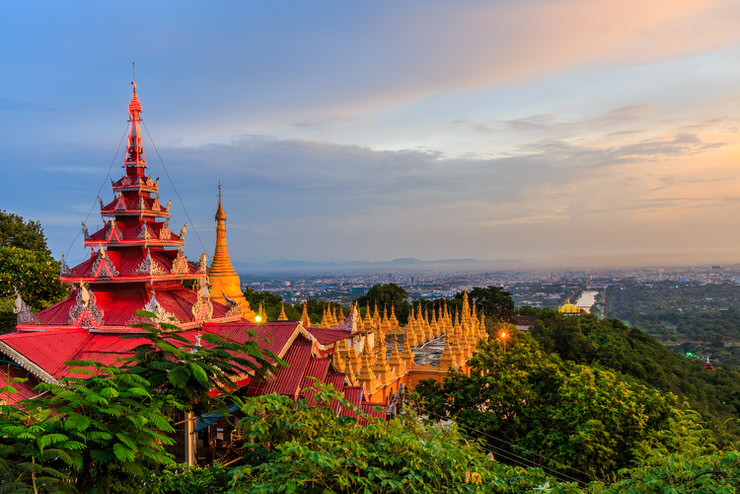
(97, 433)
(554, 412)
(293, 447)
(386, 296)
(688, 316)
(214, 479)
(682, 459)
(272, 303)
(188, 372)
(629, 351)
(107, 430)
(8, 318)
(16, 232)
(34, 273)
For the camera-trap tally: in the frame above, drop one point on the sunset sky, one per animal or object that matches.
(574, 131)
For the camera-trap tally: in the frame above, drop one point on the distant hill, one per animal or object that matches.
(612, 344)
(410, 263)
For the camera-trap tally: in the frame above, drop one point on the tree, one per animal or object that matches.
(387, 296)
(106, 428)
(493, 301)
(685, 460)
(293, 447)
(96, 433)
(16, 232)
(35, 274)
(197, 375)
(548, 410)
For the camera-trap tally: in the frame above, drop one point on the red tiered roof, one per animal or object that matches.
(138, 263)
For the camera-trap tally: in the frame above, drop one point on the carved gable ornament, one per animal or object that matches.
(161, 314)
(85, 313)
(103, 266)
(203, 308)
(180, 264)
(149, 266)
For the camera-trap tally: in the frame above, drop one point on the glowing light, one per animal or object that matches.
(503, 334)
(257, 318)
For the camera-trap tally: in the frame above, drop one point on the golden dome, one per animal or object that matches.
(569, 308)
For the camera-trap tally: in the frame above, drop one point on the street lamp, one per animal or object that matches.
(502, 335)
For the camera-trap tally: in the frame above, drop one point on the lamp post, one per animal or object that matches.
(502, 335)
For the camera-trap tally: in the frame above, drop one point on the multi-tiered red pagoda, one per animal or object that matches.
(138, 263)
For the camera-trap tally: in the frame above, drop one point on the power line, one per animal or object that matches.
(520, 460)
(100, 189)
(192, 224)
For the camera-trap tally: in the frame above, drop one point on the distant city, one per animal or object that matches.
(535, 288)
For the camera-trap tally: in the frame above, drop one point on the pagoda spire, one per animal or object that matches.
(135, 149)
(221, 274)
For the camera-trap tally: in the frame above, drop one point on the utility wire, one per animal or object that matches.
(100, 189)
(192, 224)
(520, 459)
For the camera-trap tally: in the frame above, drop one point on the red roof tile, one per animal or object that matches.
(327, 336)
(354, 395)
(24, 390)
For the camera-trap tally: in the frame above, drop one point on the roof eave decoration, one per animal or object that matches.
(85, 313)
(25, 315)
(27, 364)
(203, 309)
(164, 231)
(234, 307)
(203, 263)
(63, 268)
(103, 266)
(180, 264)
(113, 231)
(161, 315)
(149, 266)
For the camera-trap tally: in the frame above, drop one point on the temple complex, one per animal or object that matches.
(138, 263)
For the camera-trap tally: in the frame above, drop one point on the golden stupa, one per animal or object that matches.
(224, 282)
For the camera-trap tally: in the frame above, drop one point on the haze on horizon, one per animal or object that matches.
(562, 132)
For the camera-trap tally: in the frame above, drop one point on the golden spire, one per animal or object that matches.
(393, 320)
(263, 313)
(428, 329)
(332, 316)
(368, 320)
(324, 318)
(465, 306)
(412, 319)
(366, 378)
(282, 316)
(381, 364)
(224, 282)
(396, 362)
(407, 354)
(447, 358)
(376, 317)
(304, 317)
(340, 315)
(410, 336)
(353, 360)
(338, 362)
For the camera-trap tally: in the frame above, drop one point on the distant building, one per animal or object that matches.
(569, 309)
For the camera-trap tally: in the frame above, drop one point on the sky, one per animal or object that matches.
(570, 132)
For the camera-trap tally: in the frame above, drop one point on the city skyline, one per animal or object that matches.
(560, 132)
